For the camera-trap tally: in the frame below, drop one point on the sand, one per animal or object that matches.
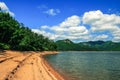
(16, 65)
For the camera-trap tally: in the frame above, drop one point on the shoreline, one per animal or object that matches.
(26, 62)
(50, 67)
(52, 70)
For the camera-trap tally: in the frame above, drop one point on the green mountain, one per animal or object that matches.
(67, 45)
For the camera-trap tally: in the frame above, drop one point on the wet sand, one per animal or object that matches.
(15, 65)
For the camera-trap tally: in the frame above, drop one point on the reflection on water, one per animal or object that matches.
(87, 65)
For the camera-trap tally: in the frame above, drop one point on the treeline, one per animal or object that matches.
(16, 36)
(67, 45)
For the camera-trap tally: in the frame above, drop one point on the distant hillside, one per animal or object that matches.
(68, 45)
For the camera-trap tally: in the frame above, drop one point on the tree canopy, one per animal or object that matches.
(16, 36)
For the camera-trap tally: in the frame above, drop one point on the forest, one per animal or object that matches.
(68, 45)
(16, 36)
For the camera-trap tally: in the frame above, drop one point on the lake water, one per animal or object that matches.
(87, 65)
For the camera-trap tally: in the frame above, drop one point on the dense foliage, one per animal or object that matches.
(15, 36)
(67, 45)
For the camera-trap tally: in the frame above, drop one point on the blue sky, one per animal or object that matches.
(78, 20)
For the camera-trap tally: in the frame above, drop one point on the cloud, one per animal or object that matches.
(4, 8)
(52, 12)
(46, 34)
(45, 27)
(71, 21)
(116, 35)
(97, 18)
(93, 25)
(101, 37)
(49, 11)
(100, 22)
(68, 29)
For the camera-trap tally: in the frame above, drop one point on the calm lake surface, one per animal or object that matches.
(87, 65)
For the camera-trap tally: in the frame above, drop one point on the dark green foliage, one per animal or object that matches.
(14, 35)
(4, 46)
(7, 27)
(67, 45)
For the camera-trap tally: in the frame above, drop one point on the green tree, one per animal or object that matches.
(16, 36)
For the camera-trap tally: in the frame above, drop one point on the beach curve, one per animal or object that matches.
(29, 65)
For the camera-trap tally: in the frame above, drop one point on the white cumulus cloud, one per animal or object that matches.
(93, 25)
(4, 8)
(100, 22)
(101, 37)
(71, 21)
(46, 34)
(70, 28)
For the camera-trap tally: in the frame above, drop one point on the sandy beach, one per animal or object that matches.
(16, 65)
